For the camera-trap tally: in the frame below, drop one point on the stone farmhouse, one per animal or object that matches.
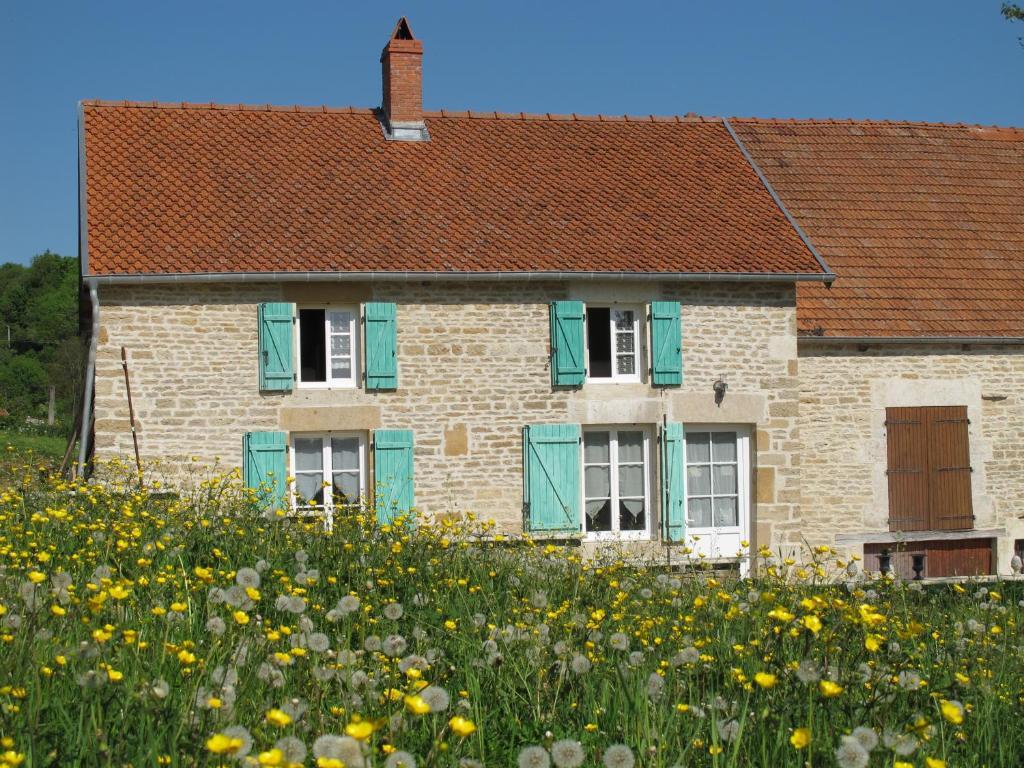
(670, 332)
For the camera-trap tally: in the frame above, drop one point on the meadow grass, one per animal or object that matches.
(140, 629)
(19, 446)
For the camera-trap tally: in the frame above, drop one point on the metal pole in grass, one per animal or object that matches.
(131, 412)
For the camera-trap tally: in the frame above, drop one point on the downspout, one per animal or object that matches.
(90, 370)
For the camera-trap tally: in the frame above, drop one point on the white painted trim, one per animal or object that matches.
(351, 383)
(326, 470)
(744, 483)
(615, 534)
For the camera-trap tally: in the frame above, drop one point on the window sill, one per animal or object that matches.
(314, 385)
(891, 537)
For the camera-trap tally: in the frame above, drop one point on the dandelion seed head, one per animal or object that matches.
(533, 757)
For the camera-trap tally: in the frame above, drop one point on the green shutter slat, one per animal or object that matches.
(381, 343)
(275, 346)
(567, 344)
(666, 344)
(265, 466)
(393, 473)
(673, 488)
(551, 477)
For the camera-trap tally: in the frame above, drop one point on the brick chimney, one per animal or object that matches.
(402, 75)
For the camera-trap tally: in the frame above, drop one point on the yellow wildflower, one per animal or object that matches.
(765, 679)
(361, 730)
(801, 738)
(829, 689)
(416, 704)
(220, 744)
(461, 726)
(278, 718)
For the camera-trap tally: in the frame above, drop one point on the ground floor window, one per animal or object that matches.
(329, 471)
(717, 490)
(616, 489)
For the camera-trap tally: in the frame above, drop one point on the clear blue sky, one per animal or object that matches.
(941, 60)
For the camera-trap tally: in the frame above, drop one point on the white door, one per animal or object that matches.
(717, 490)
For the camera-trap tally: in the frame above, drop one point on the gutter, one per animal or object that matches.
(465, 277)
(836, 340)
(90, 369)
(829, 276)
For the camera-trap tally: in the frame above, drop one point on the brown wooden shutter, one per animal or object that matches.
(949, 462)
(908, 468)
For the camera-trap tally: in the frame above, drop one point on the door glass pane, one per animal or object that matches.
(631, 480)
(597, 482)
(697, 448)
(624, 342)
(341, 368)
(309, 453)
(699, 513)
(309, 487)
(345, 452)
(346, 487)
(625, 365)
(725, 511)
(698, 480)
(724, 446)
(631, 447)
(631, 515)
(623, 319)
(724, 478)
(599, 515)
(595, 448)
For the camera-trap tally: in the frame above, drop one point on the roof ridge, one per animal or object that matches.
(869, 122)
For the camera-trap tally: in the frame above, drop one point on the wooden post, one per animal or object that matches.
(52, 407)
(131, 411)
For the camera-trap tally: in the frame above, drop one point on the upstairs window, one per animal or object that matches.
(329, 471)
(328, 347)
(613, 344)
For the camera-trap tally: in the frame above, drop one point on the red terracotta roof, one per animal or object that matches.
(224, 189)
(922, 223)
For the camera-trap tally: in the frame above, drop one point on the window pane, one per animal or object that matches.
(595, 448)
(599, 343)
(309, 453)
(631, 515)
(724, 478)
(625, 365)
(345, 453)
(726, 512)
(631, 447)
(599, 515)
(313, 346)
(346, 487)
(597, 482)
(724, 446)
(697, 447)
(341, 368)
(631, 480)
(699, 513)
(698, 480)
(309, 487)
(341, 321)
(341, 346)
(624, 320)
(624, 342)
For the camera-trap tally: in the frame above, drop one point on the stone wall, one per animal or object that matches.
(473, 369)
(844, 392)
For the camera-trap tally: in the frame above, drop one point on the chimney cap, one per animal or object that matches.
(402, 30)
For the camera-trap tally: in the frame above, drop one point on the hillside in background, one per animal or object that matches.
(39, 342)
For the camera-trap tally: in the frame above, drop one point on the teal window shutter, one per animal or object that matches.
(567, 344)
(393, 473)
(277, 371)
(265, 466)
(666, 344)
(551, 477)
(381, 340)
(673, 489)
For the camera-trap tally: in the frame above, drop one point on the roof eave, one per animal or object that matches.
(409, 276)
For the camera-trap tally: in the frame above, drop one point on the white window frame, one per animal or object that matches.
(639, 344)
(615, 534)
(707, 538)
(330, 383)
(326, 471)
